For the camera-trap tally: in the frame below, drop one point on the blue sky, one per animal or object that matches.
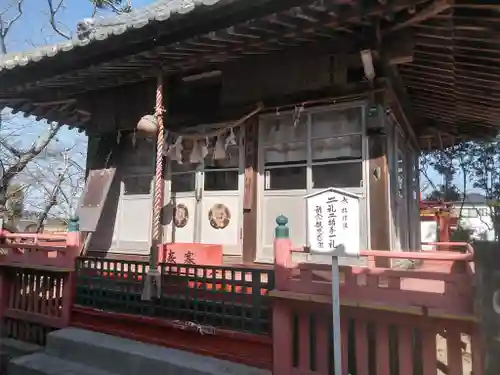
(34, 29)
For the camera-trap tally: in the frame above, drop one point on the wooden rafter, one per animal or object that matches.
(448, 76)
(430, 11)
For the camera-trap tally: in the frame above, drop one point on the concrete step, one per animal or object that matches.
(16, 348)
(128, 357)
(11, 348)
(44, 364)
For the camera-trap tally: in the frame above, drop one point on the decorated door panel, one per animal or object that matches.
(183, 222)
(181, 210)
(220, 221)
(221, 203)
(206, 184)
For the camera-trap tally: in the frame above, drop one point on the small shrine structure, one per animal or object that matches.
(207, 120)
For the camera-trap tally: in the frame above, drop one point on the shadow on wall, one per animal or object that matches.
(103, 237)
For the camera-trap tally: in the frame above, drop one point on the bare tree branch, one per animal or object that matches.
(14, 151)
(52, 201)
(34, 171)
(5, 26)
(29, 155)
(52, 18)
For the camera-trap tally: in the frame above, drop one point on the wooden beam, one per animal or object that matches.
(399, 97)
(428, 12)
(380, 238)
(8, 101)
(56, 102)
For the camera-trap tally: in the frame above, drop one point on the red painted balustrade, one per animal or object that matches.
(39, 250)
(34, 302)
(414, 319)
(35, 281)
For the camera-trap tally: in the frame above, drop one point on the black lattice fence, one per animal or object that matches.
(234, 298)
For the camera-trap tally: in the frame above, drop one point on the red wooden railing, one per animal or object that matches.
(39, 250)
(35, 282)
(34, 302)
(394, 321)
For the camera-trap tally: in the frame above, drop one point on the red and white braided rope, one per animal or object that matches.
(160, 141)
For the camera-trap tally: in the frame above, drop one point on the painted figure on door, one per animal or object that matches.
(181, 216)
(219, 216)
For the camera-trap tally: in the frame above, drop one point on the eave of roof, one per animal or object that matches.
(450, 83)
(102, 29)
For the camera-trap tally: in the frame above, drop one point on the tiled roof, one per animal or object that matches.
(98, 29)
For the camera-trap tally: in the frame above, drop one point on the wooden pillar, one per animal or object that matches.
(487, 303)
(444, 229)
(378, 186)
(249, 229)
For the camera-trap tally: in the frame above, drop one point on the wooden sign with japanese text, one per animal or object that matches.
(333, 222)
(191, 253)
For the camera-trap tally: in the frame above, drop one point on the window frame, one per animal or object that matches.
(308, 163)
(299, 194)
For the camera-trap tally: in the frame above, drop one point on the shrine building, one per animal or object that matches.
(262, 102)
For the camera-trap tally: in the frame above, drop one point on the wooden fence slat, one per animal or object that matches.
(344, 324)
(33, 304)
(361, 339)
(405, 350)
(304, 349)
(429, 356)
(322, 346)
(476, 352)
(454, 351)
(382, 348)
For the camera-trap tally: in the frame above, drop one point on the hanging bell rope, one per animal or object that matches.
(160, 141)
(153, 279)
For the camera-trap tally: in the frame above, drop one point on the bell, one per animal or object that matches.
(148, 125)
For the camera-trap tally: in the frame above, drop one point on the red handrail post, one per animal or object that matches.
(282, 252)
(73, 238)
(73, 246)
(282, 335)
